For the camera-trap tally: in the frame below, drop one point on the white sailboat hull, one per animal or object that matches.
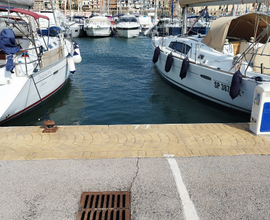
(34, 71)
(21, 94)
(201, 82)
(208, 82)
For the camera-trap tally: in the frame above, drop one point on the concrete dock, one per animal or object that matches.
(224, 168)
(120, 141)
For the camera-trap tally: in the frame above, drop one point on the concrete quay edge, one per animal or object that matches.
(120, 141)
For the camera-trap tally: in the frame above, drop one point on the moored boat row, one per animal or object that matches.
(225, 65)
(100, 26)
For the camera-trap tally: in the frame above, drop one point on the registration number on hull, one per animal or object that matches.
(222, 86)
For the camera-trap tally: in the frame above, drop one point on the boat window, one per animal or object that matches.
(180, 47)
(128, 20)
(123, 20)
(132, 20)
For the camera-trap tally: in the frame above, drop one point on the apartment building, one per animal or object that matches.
(162, 5)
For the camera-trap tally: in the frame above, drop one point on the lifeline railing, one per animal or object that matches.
(25, 54)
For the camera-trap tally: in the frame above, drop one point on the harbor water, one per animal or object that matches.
(117, 83)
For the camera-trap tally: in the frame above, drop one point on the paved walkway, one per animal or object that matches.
(115, 141)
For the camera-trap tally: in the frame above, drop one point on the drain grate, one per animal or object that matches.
(104, 206)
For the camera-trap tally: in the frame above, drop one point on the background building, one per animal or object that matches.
(164, 7)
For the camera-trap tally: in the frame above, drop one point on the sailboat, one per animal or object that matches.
(223, 66)
(33, 66)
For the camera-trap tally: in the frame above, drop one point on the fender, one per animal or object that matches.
(156, 54)
(236, 84)
(184, 68)
(169, 62)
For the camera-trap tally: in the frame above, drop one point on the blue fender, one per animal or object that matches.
(236, 84)
(156, 54)
(169, 62)
(184, 68)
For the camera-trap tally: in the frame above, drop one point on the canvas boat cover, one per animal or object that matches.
(241, 27)
(191, 3)
(7, 41)
(8, 45)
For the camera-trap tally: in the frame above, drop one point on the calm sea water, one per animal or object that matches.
(116, 83)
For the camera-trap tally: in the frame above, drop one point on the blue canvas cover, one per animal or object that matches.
(8, 45)
(7, 41)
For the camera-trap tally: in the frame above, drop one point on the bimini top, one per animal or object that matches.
(239, 27)
(23, 11)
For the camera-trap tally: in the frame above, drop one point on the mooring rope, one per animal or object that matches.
(47, 116)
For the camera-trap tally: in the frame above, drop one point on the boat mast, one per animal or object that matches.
(184, 24)
(101, 3)
(120, 7)
(80, 7)
(70, 11)
(65, 9)
(53, 10)
(172, 10)
(117, 7)
(155, 18)
(141, 7)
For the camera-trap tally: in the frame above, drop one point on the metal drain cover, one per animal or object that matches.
(104, 206)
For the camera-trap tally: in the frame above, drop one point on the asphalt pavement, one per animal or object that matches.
(204, 187)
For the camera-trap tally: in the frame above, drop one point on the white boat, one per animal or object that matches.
(80, 20)
(73, 28)
(57, 18)
(98, 26)
(34, 67)
(145, 23)
(223, 66)
(128, 26)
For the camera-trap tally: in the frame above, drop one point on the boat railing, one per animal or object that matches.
(35, 59)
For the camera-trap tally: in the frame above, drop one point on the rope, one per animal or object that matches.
(47, 116)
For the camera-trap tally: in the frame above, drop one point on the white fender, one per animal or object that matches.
(71, 64)
(77, 56)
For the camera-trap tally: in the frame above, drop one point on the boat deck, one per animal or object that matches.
(119, 141)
